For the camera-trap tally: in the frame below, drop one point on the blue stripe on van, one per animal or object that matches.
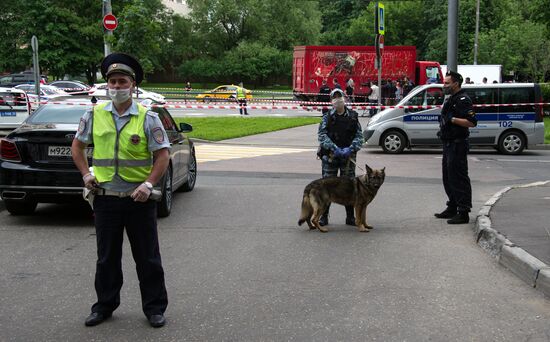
(516, 116)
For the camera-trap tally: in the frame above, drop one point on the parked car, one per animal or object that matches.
(73, 87)
(14, 107)
(223, 92)
(22, 78)
(47, 93)
(36, 164)
(140, 93)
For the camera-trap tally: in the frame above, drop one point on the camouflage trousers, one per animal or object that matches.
(330, 167)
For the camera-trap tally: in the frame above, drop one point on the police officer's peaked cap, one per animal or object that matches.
(455, 75)
(336, 91)
(122, 63)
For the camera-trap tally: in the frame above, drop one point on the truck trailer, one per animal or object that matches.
(312, 64)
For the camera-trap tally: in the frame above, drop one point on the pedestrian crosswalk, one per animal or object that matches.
(215, 152)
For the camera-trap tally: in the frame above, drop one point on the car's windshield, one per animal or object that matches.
(57, 114)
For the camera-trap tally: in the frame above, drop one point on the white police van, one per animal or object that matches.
(14, 107)
(502, 122)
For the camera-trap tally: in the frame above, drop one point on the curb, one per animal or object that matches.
(525, 266)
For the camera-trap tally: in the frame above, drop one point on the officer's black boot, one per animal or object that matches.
(460, 218)
(449, 212)
(323, 221)
(350, 218)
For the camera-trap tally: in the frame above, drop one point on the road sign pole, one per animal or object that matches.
(36, 67)
(107, 9)
(380, 29)
(452, 35)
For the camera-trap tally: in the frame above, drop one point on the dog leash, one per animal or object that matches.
(354, 163)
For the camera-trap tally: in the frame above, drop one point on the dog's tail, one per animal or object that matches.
(307, 209)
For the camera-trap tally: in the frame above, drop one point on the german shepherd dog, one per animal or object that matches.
(358, 191)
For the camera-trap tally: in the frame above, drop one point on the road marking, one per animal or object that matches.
(524, 160)
(215, 152)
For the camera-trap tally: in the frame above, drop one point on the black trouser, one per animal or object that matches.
(112, 215)
(455, 174)
(242, 106)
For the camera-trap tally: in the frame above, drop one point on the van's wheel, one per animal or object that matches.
(191, 174)
(511, 142)
(164, 207)
(393, 142)
(20, 207)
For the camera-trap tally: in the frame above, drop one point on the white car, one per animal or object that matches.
(14, 107)
(47, 93)
(139, 93)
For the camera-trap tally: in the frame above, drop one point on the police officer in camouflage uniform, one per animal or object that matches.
(340, 137)
(131, 154)
(457, 116)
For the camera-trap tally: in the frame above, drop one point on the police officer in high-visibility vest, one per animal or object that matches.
(457, 116)
(241, 99)
(340, 137)
(131, 154)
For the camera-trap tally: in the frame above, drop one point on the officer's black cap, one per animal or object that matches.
(455, 75)
(122, 63)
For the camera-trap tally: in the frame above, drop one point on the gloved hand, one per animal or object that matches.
(89, 181)
(346, 152)
(141, 193)
(338, 152)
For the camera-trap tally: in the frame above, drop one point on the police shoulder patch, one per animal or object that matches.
(151, 113)
(82, 125)
(158, 135)
(463, 98)
(471, 113)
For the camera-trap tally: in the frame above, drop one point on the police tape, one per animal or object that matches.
(291, 106)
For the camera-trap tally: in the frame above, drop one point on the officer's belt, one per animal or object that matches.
(105, 192)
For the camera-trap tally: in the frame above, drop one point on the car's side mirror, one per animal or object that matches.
(185, 128)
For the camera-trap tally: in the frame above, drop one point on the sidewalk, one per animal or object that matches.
(514, 227)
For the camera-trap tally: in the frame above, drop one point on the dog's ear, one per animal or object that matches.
(384, 169)
(369, 170)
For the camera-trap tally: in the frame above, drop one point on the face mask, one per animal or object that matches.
(447, 90)
(338, 102)
(119, 95)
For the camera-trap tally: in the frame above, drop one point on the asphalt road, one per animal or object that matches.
(238, 268)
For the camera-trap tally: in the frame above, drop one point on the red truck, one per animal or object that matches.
(312, 64)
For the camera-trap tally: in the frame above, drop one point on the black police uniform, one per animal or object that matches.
(455, 151)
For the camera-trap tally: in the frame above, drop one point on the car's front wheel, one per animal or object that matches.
(191, 173)
(393, 142)
(20, 207)
(164, 207)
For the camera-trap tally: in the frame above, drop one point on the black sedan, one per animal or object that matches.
(36, 164)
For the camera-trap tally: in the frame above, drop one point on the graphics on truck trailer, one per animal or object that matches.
(312, 64)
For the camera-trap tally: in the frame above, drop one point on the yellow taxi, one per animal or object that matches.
(223, 92)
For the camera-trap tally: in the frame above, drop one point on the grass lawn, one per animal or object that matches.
(221, 128)
(547, 130)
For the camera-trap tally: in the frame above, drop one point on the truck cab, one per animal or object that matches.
(428, 72)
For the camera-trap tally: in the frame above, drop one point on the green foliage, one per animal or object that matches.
(218, 128)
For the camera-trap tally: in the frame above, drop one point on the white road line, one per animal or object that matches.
(524, 160)
(214, 152)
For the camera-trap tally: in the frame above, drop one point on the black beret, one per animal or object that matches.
(455, 75)
(122, 63)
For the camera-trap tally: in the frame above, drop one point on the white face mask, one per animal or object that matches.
(338, 102)
(119, 95)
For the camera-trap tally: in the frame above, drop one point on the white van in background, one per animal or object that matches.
(14, 107)
(504, 121)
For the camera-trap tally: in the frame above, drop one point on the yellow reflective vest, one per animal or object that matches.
(124, 153)
(240, 93)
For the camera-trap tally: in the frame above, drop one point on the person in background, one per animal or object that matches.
(188, 86)
(240, 94)
(398, 92)
(373, 97)
(407, 85)
(350, 87)
(336, 84)
(484, 80)
(324, 96)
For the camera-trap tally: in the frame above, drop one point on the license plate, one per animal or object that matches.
(65, 151)
(8, 114)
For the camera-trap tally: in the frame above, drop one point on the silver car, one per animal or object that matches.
(510, 118)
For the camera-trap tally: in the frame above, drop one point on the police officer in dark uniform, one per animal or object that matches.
(340, 137)
(131, 154)
(324, 95)
(457, 116)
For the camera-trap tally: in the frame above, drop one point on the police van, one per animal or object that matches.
(510, 118)
(14, 107)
